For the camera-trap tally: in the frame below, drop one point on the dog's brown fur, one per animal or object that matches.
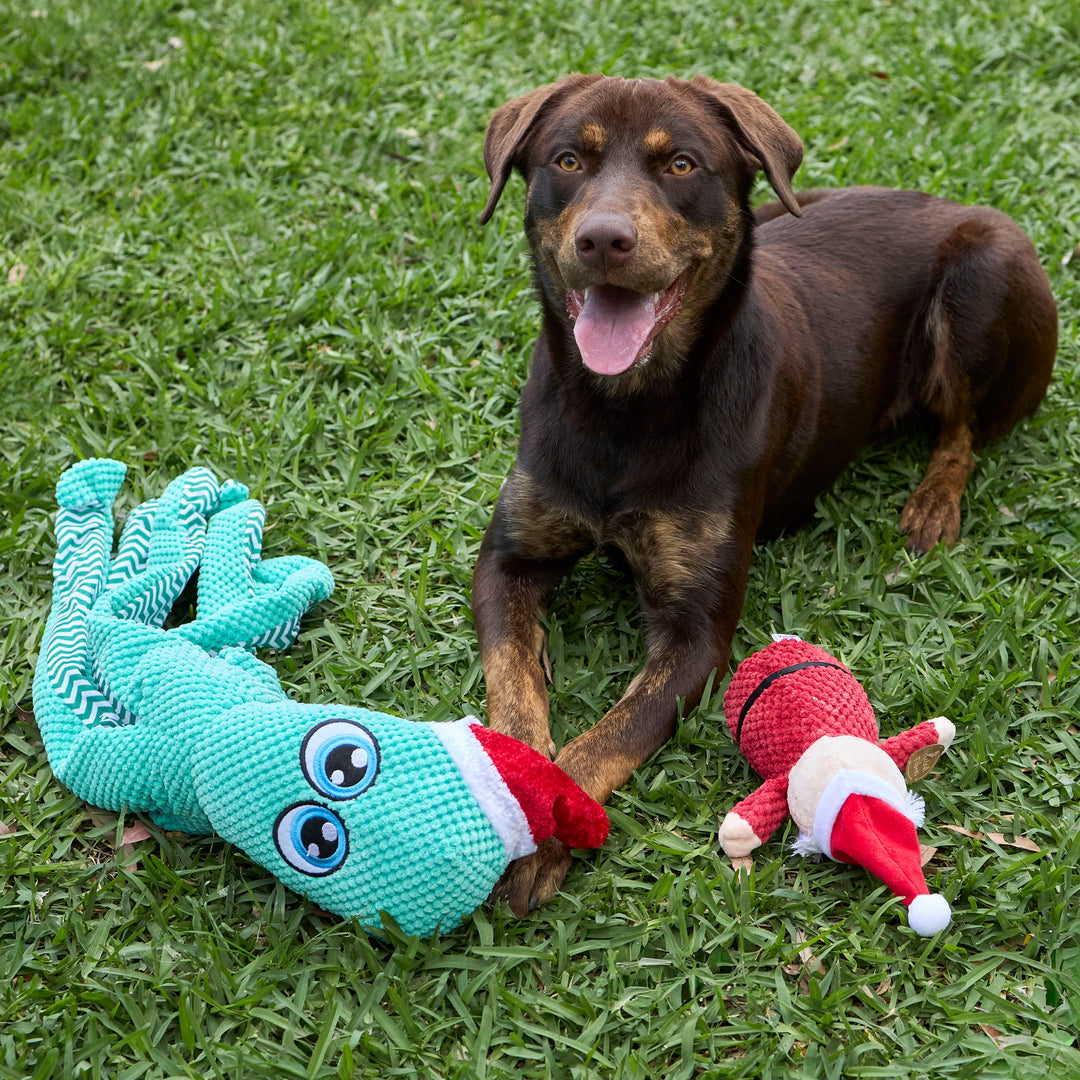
(804, 330)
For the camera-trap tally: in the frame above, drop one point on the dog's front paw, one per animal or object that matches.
(931, 516)
(535, 879)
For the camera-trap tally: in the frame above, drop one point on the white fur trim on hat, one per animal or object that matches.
(486, 785)
(854, 782)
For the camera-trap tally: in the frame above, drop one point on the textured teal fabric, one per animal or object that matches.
(360, 811)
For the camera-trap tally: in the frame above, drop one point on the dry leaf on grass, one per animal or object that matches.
(132, 834)
(810, 963)
(1016, 841)
(998, 838)
(6, 829)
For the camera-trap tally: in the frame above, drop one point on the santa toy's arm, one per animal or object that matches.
(751, 822)
(911, 749)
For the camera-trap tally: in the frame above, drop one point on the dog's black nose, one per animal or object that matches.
(605, 240)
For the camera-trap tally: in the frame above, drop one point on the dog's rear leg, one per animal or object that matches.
(988, 344)
(932, 513)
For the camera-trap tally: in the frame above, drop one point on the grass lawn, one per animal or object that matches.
(245, 235)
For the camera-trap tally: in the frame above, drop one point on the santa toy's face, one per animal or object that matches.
(834, 767)
(835, 761)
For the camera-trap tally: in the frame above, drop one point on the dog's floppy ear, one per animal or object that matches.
(510, 128)
(768, 141)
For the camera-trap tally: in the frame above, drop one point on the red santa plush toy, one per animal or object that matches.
(803, 721)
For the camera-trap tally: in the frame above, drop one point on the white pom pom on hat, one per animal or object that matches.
(928, 914)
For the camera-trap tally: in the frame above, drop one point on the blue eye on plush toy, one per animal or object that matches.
(311, 838)
(360, 811)
(340, 758)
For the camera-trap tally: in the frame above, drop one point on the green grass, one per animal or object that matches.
(244, 235)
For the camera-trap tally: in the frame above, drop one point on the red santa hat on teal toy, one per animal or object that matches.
(803, 721)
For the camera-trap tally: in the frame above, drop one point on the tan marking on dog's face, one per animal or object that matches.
(657, 142)
(642, 122)
(667, 244)
(719, 250)
(593, 138)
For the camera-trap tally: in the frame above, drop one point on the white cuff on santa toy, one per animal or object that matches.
(854, 782)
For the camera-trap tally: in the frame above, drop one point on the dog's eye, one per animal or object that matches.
(569, 162)
(681, 166)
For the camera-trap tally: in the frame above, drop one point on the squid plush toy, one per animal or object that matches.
(803, 721)
(359, 811)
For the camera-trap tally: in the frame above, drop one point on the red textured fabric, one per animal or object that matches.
(553, 804)
(765, 809)
(796, 709)
(901, 747)
(872, 834)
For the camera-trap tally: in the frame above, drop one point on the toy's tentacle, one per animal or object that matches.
(938, 732)
(247, 601)
(171, 553)
(106, 661)
(84, 529)
(133, 548)
(134, 545)
(262, 675)
(65, 698)
(752, 821)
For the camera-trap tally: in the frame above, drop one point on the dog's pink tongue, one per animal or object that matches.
(612, 327)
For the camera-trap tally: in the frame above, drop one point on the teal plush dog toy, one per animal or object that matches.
(359, 811)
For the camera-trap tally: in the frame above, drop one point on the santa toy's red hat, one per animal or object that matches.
(880, 837)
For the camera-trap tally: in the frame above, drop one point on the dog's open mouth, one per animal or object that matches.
(615, 327)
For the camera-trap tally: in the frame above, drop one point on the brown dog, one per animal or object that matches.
(701, 375)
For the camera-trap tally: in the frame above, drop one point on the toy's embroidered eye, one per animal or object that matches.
(340, 759)
(311, 839)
